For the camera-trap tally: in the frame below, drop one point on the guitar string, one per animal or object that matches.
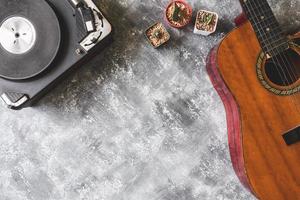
(292, 95)
(287, 60)
(267, 41)
(277, 52)
(285, 80)
(287, 68)
(291, 64)
(293, 98)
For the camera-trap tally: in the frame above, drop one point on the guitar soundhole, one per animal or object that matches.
(283, 69)
(280, 74)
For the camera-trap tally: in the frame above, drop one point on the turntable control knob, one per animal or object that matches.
(79, 51)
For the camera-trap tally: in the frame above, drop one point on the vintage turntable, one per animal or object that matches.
(42, 40)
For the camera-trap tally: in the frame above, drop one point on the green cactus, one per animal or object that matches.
(177, 13)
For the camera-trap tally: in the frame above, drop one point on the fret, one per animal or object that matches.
(283, 44)
(264, 19)
(272, 42)
(278, 45)
(278, 49)
(274, 30)
(269, 32)
(272, 46)
(267, 28)
(265, 25)
(259, 13)
(280, 40)
(260, 6)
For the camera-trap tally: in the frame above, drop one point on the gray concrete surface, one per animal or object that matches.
(134, 123)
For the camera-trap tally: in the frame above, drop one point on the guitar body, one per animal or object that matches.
(257, 118)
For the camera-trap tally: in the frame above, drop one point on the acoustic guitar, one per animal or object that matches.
(256, 69)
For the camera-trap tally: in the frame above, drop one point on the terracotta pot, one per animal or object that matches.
(187, 6)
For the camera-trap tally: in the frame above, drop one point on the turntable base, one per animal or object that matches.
(41, 41)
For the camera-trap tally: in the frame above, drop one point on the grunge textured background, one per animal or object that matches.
(134, 123)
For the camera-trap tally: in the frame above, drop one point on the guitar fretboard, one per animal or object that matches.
(269, 33)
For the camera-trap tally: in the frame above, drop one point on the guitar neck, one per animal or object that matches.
(269, 33)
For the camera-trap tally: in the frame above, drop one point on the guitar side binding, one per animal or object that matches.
(232, 118)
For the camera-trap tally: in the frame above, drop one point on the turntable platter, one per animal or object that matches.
(29, 38)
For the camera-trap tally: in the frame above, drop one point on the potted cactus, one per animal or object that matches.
(157, 34)
(206, 22)
(178, 13)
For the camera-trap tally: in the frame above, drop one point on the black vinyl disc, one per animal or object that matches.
(29, 53)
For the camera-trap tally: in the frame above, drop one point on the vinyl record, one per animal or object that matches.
(29, 38)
